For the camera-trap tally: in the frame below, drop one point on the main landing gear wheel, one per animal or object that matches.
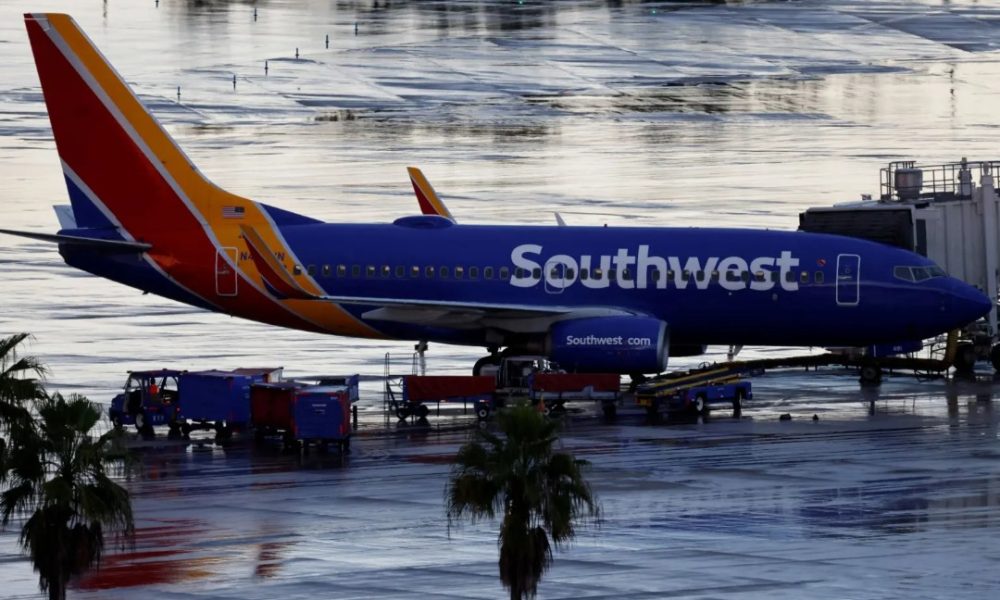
(870, 375)
(482, 412)
(965, 358)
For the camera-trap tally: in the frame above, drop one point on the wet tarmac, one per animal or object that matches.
(738, 114)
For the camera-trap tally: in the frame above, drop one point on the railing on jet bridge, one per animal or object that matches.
(940, 182)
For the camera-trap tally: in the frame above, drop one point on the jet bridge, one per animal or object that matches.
(949, 213)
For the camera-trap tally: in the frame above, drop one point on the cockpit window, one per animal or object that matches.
(918, 274)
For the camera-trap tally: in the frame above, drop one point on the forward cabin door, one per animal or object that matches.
(848, 279)
(225, 273)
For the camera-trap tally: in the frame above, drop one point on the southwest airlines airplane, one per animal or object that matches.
(609, 299)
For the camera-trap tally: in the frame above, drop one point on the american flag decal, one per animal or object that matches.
(233, 212)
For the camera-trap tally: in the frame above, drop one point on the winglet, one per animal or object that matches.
(276, 278)
(427, 198)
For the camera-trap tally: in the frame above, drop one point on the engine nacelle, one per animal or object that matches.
(609, 345)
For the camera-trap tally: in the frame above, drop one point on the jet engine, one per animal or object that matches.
(609, 344)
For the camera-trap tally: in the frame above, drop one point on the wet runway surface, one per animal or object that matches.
(652, 113)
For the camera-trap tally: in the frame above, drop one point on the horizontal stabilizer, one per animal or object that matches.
(76, 240)
(67, 220)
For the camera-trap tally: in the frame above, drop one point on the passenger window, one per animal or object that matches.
(326, 270)
(518, 273)
(583, 274)
(686, 275)
(504, 273)
(444, 272)
(429, 272)
(414, 271)
(400, 271)
(370, 271)
(459, 271)
(612, 274)
(745, 276)
(734, 276)
(759, 276)
(473, 272)
(355, 270)
(804, 277)
(570, 273)
(554, 273)
(626, 275)
(790, 276)
(655, 274)
(715, 276)
(341, 270)
(311, 269)
(386, 270)
(297, 270)
(819, 276)
(488, 273)
(699, 275)
(536, 273)
(598, 274)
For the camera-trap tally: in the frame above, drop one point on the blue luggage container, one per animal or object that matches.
(322, 414)
(219, 399)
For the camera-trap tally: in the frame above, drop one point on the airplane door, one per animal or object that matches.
(225, 273)
(555, 275)
(848, 279)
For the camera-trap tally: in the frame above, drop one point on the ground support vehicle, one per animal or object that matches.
(555, 389)
(303, 414)
(419, 390)
(217, 400)
(694, 391)
(150, 398)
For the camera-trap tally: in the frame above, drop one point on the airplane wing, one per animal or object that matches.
(453, 314)
(427, 198)
(75, 240)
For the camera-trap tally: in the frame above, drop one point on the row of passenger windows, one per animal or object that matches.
(557, 273)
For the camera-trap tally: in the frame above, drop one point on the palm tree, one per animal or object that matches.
(540, 494)
(57, 479)
(17, 386)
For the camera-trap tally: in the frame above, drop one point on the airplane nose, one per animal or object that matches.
(968, 303)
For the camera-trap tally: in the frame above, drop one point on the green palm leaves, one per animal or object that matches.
(539, 493)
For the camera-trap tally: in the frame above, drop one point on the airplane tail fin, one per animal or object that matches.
(122, 169)
(427, 198)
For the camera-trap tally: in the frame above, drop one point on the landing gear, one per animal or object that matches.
(738, 403)
(965, 358)
(870, 375)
